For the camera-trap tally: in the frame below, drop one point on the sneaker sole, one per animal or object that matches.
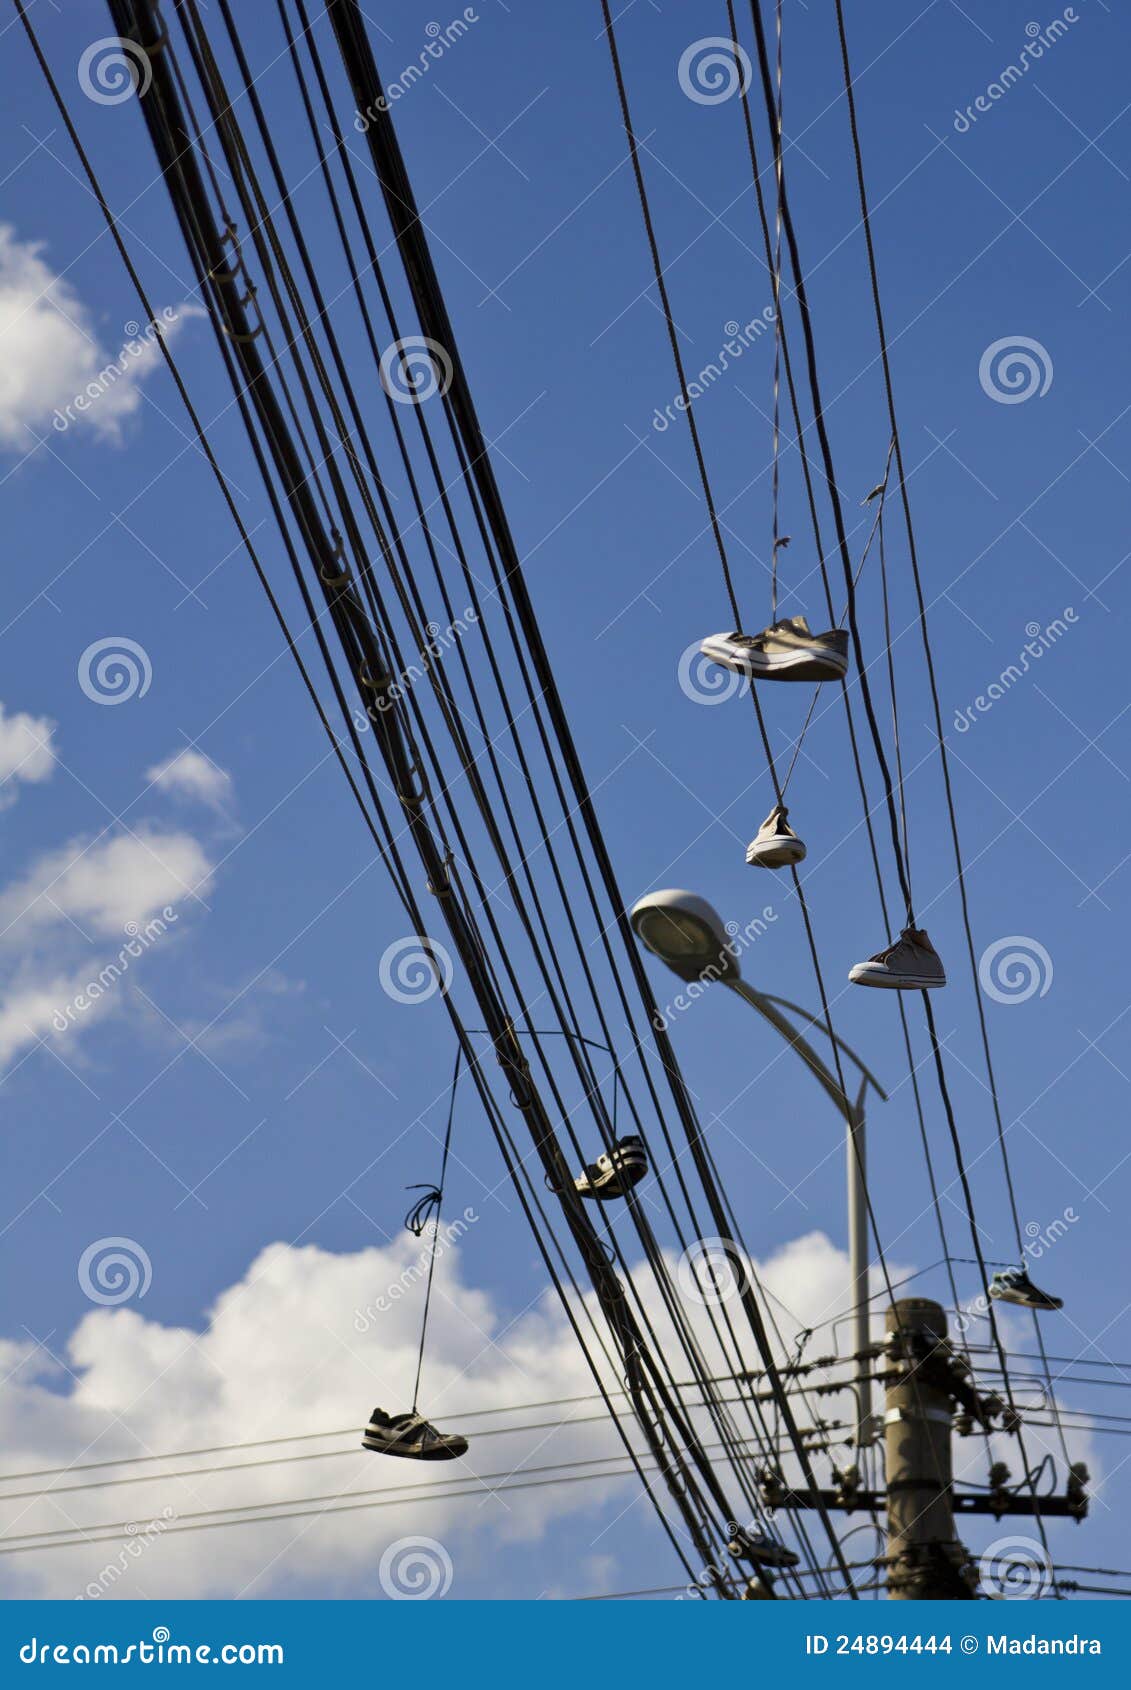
(895, 982)
(612, 1189)
(1023, 1303)
(781, 666)
(775, 858)
(442, 1453)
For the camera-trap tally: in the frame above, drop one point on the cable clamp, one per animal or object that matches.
(157, 46)
(243, 339)
(422, 792)
(331, 580)
(445, 889)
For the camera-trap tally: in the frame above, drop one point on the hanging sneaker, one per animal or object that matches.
(411, 1435)
(911, 964)
(1013, 1285)
(616, 1172)
(786, 651)
(758, 1547)
(775, 845)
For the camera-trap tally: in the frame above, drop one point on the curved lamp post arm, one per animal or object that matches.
(768, 1007)
(814, 1021)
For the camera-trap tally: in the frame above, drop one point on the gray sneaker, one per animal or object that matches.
(787, 651)
(775, 845)
(911, 964)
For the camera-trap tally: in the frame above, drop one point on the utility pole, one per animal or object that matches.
(930, 1394)
(925, 1559)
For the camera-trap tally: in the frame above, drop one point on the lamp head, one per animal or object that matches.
(686, 933)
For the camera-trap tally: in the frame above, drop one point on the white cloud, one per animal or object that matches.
(190, 774)
(25, 751)
(306, 1342)
(78, 921)
(29, 1010)
(51, 358)
(282, 1355)
(105, 885)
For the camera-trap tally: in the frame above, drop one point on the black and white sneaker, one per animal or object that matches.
(1013, 1285)
(410, 1435)
(615, 1172)
(786, 651)
(763, 1550)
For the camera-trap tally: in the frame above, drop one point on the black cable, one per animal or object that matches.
(652, 1252)
(392, 745)
(401, 207)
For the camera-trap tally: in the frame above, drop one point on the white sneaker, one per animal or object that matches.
(775, 845)
(786, 651)
(910, 964)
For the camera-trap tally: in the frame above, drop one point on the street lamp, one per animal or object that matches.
(687, 934)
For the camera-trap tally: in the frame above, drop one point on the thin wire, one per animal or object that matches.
(255, 1511)
(816, 1435)
(459, 1415)
(778, 540)
(928, 1009)
(876, 528)
(854, 746)
(889, 388)
(432, 1253)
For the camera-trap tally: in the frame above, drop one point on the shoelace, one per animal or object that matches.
(423, 1209)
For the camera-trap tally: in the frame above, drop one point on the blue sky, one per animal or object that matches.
(248, 1084)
